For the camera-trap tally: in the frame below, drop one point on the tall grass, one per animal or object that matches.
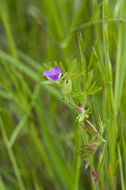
(39, 135)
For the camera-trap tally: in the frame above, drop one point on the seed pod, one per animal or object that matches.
(66, 87)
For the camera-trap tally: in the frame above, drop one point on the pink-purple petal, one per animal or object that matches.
(52, 73)
(54, 77)
(45, 73)
(57, 68)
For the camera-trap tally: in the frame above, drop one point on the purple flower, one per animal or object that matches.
(53, 73)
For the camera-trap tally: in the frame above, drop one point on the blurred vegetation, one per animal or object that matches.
(39, 136)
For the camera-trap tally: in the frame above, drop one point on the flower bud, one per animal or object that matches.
(95, 176)
(67, 87)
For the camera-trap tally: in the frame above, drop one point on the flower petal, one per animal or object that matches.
(57, 68)
(45, 73)
(52, 73)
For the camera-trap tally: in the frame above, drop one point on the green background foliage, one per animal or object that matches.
(39, 135)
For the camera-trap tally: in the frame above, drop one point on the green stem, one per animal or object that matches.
(121, 168)
(105, 143)
(110, 109)
(11, 155)
(77, 159)
(118, 59)
(4, 18)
